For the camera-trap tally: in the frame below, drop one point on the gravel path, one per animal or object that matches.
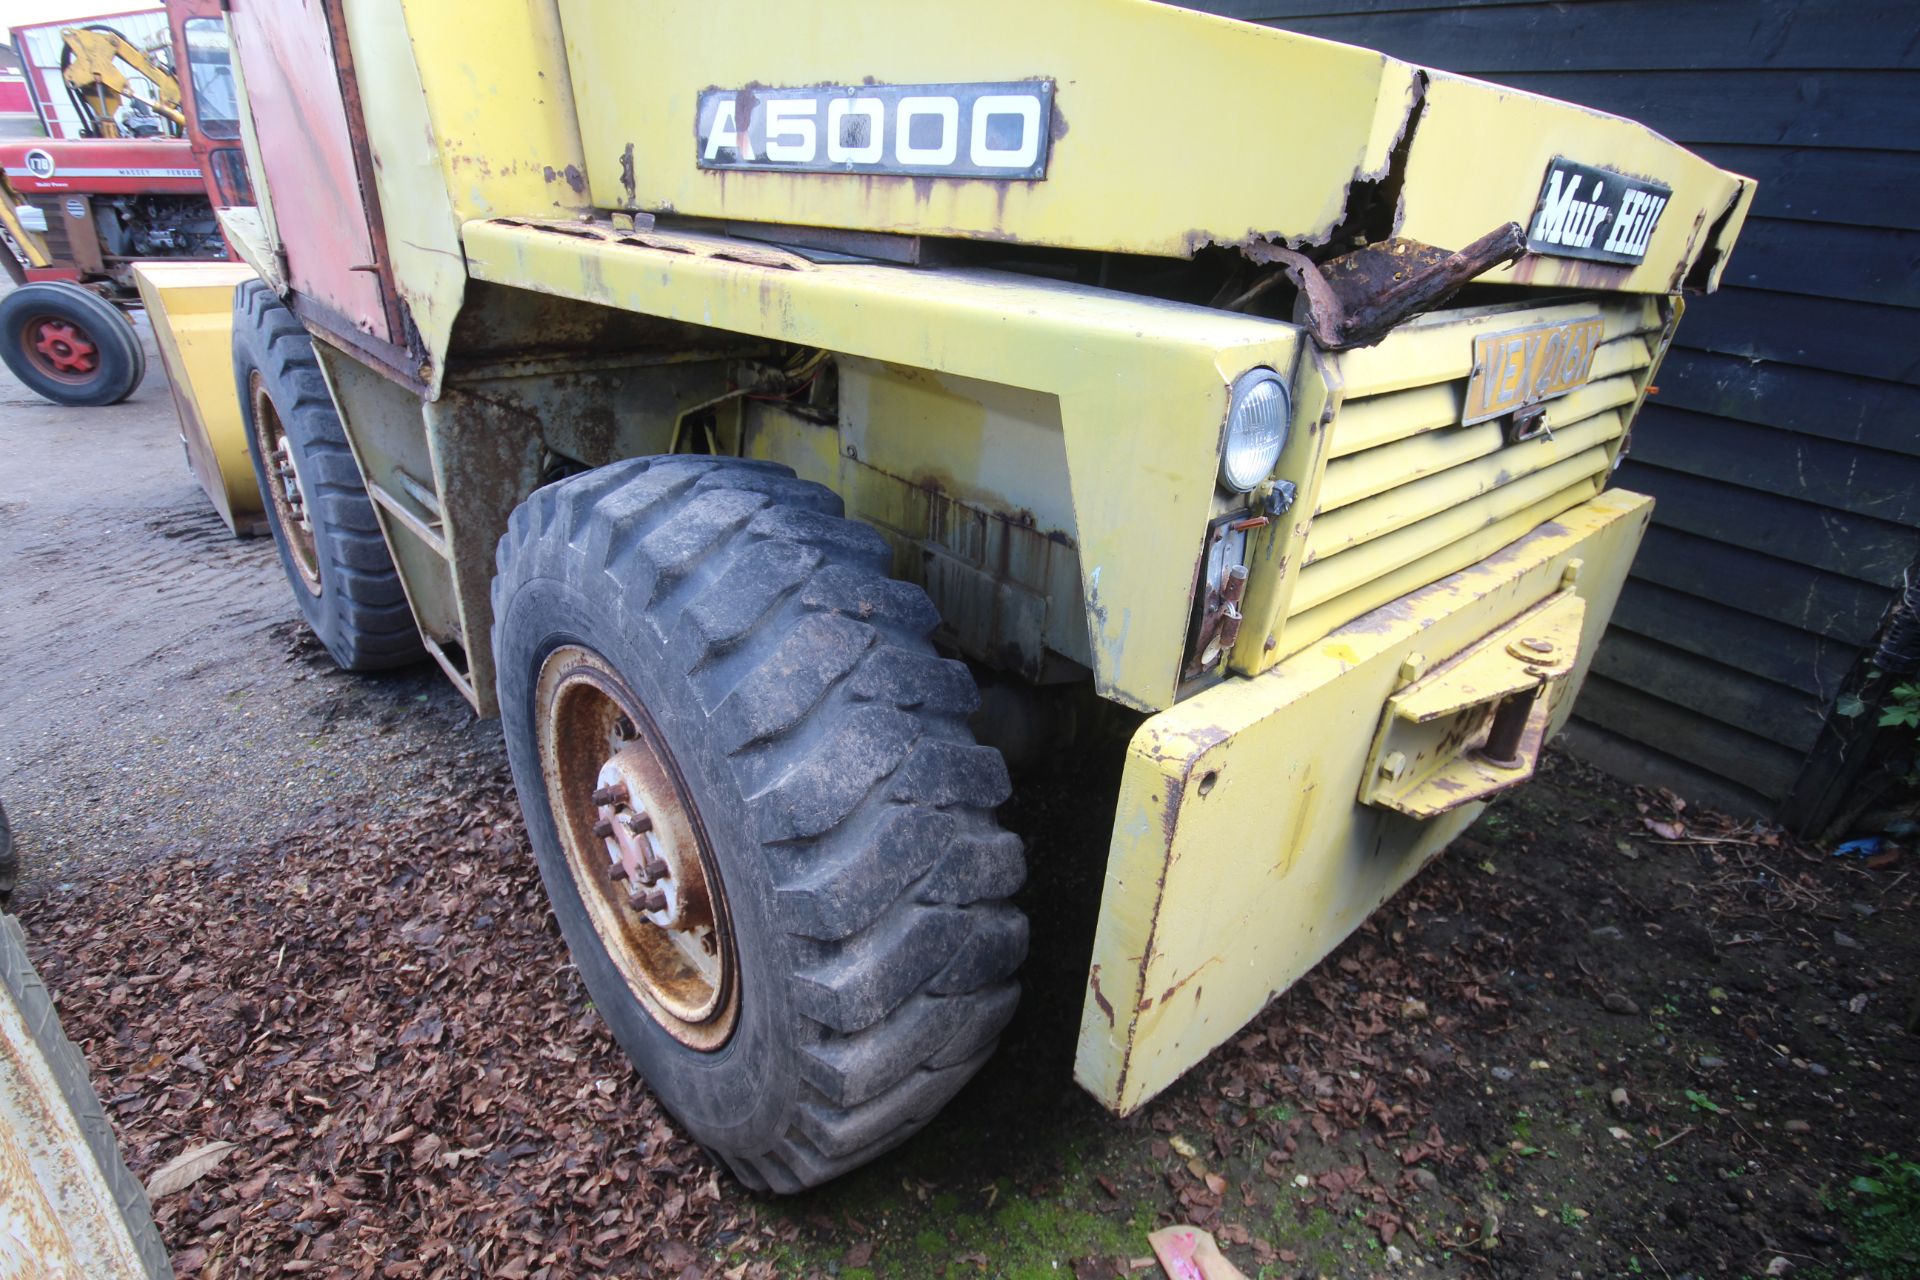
(157, 694)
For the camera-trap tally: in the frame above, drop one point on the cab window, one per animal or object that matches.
(216, 104)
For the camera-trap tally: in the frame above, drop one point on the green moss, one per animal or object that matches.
(1320, 1238)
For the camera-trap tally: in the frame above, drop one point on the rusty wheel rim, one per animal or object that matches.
(60, 349)
(285, 489)
(636, 849)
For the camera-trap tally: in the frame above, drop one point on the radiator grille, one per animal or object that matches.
(55, 236)
(1409, 495)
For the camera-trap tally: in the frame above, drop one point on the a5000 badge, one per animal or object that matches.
(912, 130)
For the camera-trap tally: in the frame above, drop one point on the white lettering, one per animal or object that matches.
(1626, 225)
(1555, 209)
(854, 130)
(1022, 154)
(945, 149)
(1654, 205)
(790, 130)
(724, 133)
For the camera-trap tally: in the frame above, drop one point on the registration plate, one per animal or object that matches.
(1522, 367)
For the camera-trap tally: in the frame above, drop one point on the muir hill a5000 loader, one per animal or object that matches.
(721, 392)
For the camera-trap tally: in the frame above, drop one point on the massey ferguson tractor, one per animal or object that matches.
(721, 395)
(77, 213)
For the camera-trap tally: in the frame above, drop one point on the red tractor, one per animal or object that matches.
(161, 152)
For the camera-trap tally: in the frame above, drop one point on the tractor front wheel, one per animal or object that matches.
(69, 344)
(765, 828)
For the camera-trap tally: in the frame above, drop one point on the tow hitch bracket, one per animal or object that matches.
(1475, 724)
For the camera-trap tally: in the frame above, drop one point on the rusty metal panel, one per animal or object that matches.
(1242, 852)
(323, 217)
(1141, 386)
(62, 1218)
(1400, 490)
(1149, 141)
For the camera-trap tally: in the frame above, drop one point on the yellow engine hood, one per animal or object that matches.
(1170, 130)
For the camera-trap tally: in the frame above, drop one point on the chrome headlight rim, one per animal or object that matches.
(1246, 463)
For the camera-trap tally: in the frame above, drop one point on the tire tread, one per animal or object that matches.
(848, 739)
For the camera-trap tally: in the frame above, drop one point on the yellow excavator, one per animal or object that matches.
(91, 67)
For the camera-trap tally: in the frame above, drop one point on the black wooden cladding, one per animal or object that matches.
(1518, 36)
(1814, 402)
(1857, 188)
(1783, 443)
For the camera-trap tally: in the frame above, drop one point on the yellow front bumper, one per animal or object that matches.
(1255, 829)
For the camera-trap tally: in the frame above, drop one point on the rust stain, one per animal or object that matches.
(1099, 997)
(1356, 299)
(1168, 994)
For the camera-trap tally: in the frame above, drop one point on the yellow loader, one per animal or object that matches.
(722, 393)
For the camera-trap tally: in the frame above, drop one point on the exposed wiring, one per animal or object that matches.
(793, 380)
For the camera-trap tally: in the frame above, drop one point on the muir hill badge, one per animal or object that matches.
(1595, 214)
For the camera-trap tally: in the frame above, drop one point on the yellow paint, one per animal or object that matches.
(1496, 143)
(1426, 757)
(250, 233)
(1141, 387)
(1241, 854)
(503, 135)
(30, 243)
(1175, 128)
(91, 70)
(191, 307)
(1395, 492)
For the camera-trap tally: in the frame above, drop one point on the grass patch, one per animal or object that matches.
(1883, 1217)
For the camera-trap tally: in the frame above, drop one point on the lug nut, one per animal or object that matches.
(638, 822)
(603, 829)
(653, 900)
(653, 870)
(615, 794)
(618, 871)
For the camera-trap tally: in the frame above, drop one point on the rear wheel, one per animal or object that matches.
(764, 825)
(316, 504)
(69, 344)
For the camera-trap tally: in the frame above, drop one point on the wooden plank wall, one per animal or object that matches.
(1784, 445)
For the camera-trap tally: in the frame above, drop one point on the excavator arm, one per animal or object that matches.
(91, 66)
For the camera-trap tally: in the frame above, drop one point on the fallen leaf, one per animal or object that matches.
(187, 1168)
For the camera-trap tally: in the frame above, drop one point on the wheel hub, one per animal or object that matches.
(62, 348)
(662, 883)
(286, 491)
(290, 485)
(636, 848)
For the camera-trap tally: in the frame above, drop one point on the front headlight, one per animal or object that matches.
(1257, 415)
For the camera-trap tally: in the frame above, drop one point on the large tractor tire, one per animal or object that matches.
(322, 520)
(73, 1208)
(69, 344)
(765, 828)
